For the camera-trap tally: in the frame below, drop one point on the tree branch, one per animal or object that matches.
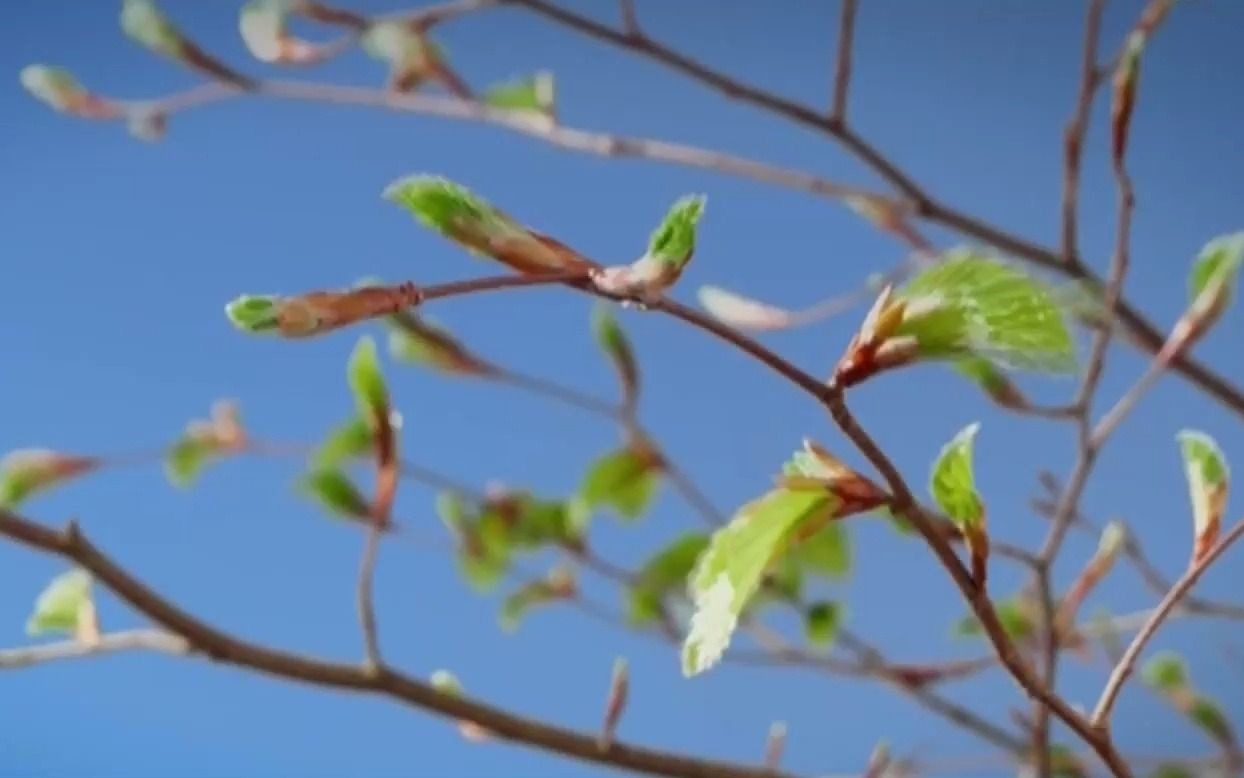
(153, 640)
(842, 62)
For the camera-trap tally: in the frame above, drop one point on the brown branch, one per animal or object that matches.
(842, 62)
(1124, 668)
(1077, 127)
(208, 641)
(630, 22)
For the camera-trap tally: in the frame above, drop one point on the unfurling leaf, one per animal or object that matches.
(952, 483)
(1211, 285)
(613, 342)
(743, 313)
(532, 93)
(316, 313)
(814, 469)
(663, 574)
(411, 57)
(59, 89)
(670, 248)
(626, 480)
(731, 569)
(472, 222)
(60, 606)
(1113, 538)
(203, 441)
(367, 382)
(421, 341)
(1166, 672)
(558, 585)
(1208, 482)
(144, 22)
(336, 494)
(974, 305)
(26, 472)
(262, 24)
(1127, 74)
(353, 439)
(821, 622)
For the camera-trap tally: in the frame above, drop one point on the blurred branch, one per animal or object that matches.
(153, 640)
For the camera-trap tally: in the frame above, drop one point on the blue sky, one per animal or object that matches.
(119, 256)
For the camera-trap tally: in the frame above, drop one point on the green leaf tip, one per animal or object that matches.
(673, 241)
(254, 313)
(366, 381)
(144, 22)
(952, 482)
(439, 203)
(972, 304)
(1214, 272)
(1208, 483)
(60, 606)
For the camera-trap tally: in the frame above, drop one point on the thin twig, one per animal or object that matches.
(153, 640)
(1126, 665)
(842, 62)
(1077, 127)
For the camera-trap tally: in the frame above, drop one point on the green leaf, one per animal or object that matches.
(1166, 672)
(559, 584)
(58, 607)
(56, 87)
(336, 494)
(460, 215)
(1219, 262)
(144, 22)
(186, 459)
(1208, 479)
(420, 341)
(731, 569)
(398, 45)
(1206, 714)
(971, 304)
(673, 241)
(821, 622)
(351, 440)
(663, 573)
(366, 381)
(613, 341)
(625, 480)
(952, 483)
(826, 553)
(530, 93)
(1014, 614)
(254, 313)
(26, 472)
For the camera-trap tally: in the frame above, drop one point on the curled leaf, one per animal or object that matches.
(1211, 284)
(626, 480)
(952, 483)
(460, 215)
(366, 381)
(1208, 482)
(26, 472)
(62, 605)
(203, 441)
(613, 341)
(336, 494)
(59, 89)
(558, 585)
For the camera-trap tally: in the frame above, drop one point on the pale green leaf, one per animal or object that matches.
(262, 25)
(663, 574)
(613, 341)
(1219, 263)
(144, 22)
(421, 341)
(366, 381)
(826, 553)
(530, 93)
(1166, 671)
(731, 569)
(1207, 715)
(673, 242)
(952, 483)
(186, 459)
(254, 313)
(970, 304)
(353, 439)
(336, 494)
(626, 480)
(58, 607)
(1208, 478)
(1014, 615)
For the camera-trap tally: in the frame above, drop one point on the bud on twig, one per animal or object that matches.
(316, 313)
(775, 745)
(615, 702)
(28, 471)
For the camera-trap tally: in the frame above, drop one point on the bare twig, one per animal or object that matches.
(1073, 135)
(153, 640)
(1124, 668)
(842, 61)
(630, 22)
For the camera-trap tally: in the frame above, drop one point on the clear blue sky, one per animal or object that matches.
(119, 255)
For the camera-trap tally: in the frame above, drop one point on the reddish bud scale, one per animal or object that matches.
(314, 313)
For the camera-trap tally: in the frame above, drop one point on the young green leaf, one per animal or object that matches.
(970, 304)
(826, 553)
(1015, 615)
(26, 472)
(366, 381)
(336, 494)
(1207, 715)
(355, 438)
(59, 89)
(613, 341)
(673, 242)
(186, 459)
(1208, 482)
(731, 569)
(1166, 672)
(469, 220)
(821, 622)
(662, 575)
(530, 93)
(144, 22)
(952, 483)
(420, 341)
(558, 585)
(1211, 285)
(626, 480)
(60, 606)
